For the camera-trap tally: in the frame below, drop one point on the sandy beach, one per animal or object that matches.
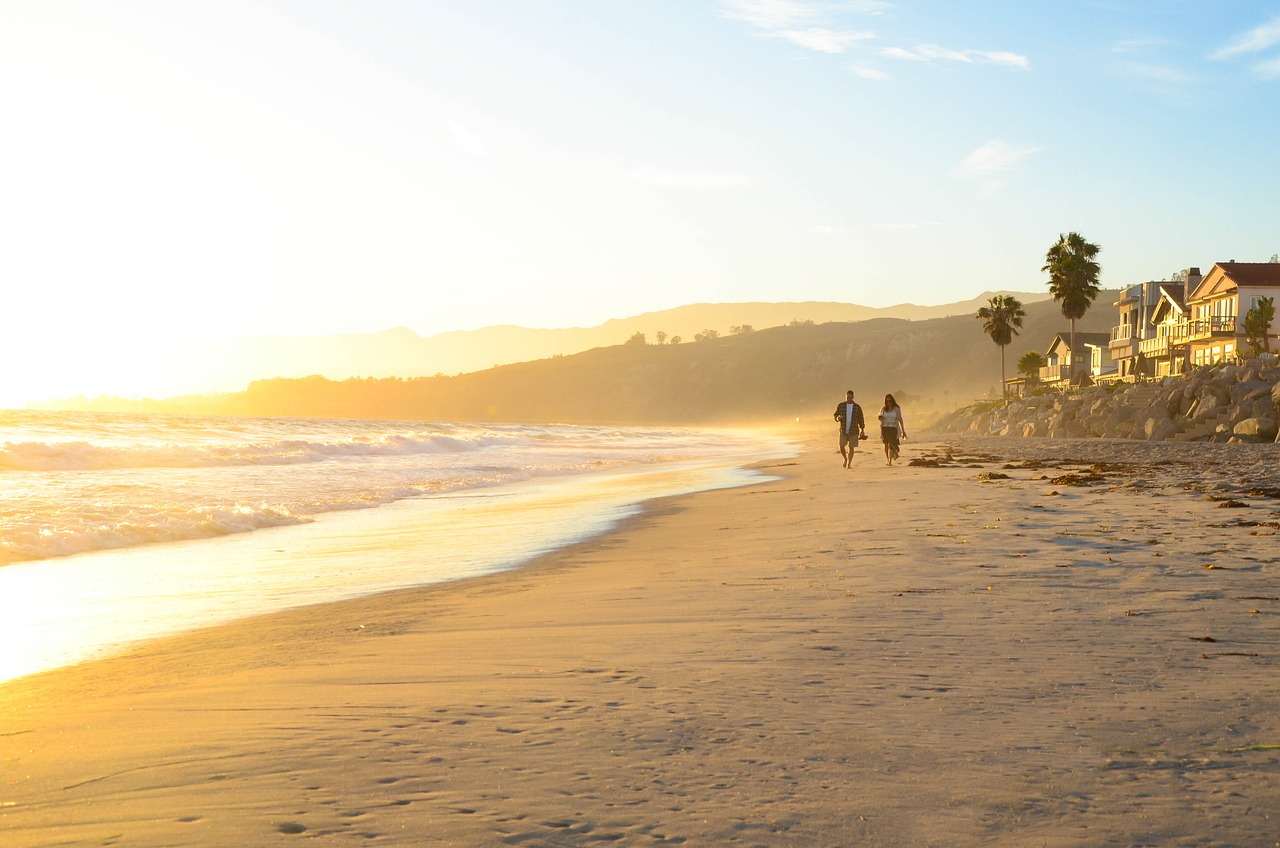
(1018, 642)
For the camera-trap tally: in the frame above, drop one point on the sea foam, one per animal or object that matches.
(73, 483)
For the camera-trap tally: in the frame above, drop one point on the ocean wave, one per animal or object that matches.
(72, 484)
(139, 527)
(86, 456)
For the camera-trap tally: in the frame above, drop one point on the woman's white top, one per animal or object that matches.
(891, 418)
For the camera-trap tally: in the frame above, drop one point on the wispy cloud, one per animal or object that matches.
(1136, 45)
(892, 226)
(689, 179)
(993, 163)
(1269, 69)
(1154, 73)
(471, 144)
(870, 73)
(994, 157)
(815, 25)
(934, 53)
(781, 14)
(1256, 40)
(805, 24)
(825, 40)
(906, 226)
(1136, 65)
(769, 14)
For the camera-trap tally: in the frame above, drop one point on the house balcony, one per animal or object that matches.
(1207, 328)
(1172, 336)
(1122, 344)
(1054, 373)
(1159, 346)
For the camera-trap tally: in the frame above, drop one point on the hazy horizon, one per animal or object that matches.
(229, 364)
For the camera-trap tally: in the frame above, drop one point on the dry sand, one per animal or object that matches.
(879, 656)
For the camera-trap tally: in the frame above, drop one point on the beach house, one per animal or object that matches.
(1216, 308)
(1137, 308)
(1092, 354)
(1164, 351)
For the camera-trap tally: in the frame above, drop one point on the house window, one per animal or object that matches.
(1229, 349)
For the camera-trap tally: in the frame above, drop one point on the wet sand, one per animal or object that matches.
(1017, 643)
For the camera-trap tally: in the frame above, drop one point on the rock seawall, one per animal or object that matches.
(1221, 403)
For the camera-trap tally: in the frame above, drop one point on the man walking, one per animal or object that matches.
(852, 427)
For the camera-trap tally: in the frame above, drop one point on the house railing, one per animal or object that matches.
(1203, 328)
(1172, 335)
(1054, 373)
(1159, 346)
(1122, 333)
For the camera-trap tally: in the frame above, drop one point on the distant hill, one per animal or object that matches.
(932, 365)
(231, 364)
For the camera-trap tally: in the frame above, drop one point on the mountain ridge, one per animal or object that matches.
(231, 364)
(770, 375)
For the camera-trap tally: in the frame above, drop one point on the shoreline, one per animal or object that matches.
(899, 656)
(92, 605)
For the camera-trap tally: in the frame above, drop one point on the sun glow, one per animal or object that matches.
(129, 365)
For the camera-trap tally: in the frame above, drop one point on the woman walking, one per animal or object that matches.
(891, 424)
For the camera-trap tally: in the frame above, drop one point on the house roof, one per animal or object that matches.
(1092, 338)
(1132, 294)
(1171, 300)
(1176, 294)
(1226, 277)
(1252, 273)
(1083, 340)
(1135, 292)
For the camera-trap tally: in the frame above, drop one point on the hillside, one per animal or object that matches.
(778, 373)
(230, 364)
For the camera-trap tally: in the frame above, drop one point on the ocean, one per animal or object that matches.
(119, 528)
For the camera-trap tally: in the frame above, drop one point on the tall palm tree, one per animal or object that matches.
(1001, 319)
(1073, 280)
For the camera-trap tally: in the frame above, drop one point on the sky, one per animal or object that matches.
(175, 170)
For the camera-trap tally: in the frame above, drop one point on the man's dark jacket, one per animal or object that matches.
(857, 422)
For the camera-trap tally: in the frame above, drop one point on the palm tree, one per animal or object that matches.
(1029, 366)
(1073, 279)
(1001, 318)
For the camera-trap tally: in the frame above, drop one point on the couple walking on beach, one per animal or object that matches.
(853, 428)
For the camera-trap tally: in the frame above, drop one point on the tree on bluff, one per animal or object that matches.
(1001, 319)
(1029, 365)
(1073, 280)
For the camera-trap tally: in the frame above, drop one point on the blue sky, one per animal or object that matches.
(310, 167)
